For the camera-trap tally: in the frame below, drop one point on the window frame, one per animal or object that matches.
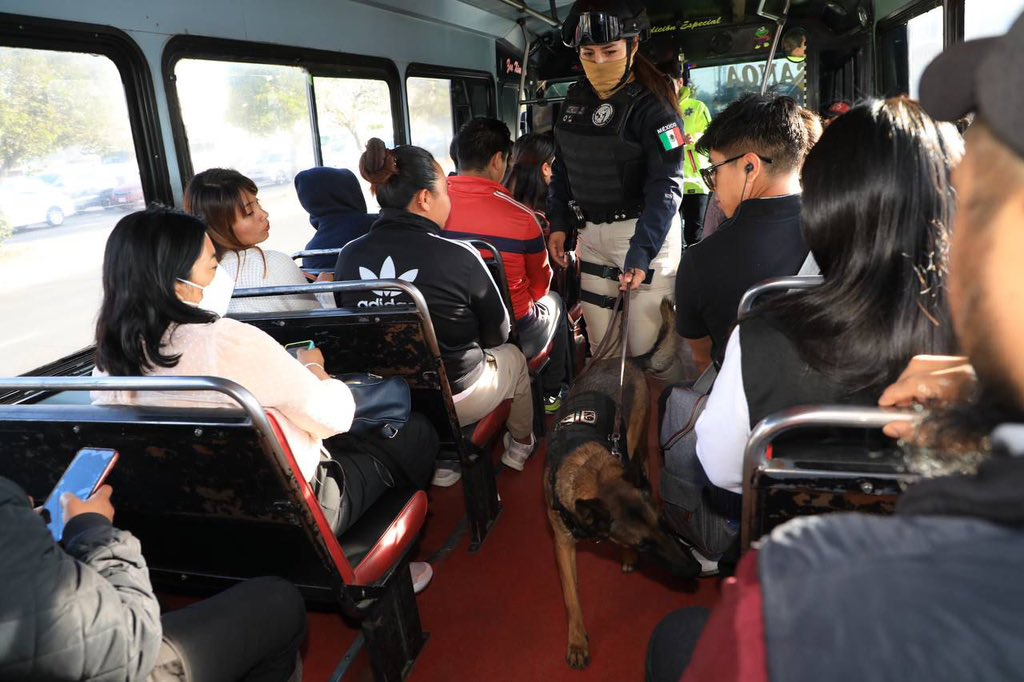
(420, 70)
(136, 79)
(318, 64)
(952, 31)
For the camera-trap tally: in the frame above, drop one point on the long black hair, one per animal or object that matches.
(878, 207)
(524, 178)
(396, 175)
(145, 255)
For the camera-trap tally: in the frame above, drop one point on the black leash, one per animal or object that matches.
(616, 437)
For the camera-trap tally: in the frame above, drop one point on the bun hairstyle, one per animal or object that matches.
(396, 175)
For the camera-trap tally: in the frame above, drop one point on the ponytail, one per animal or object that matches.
(396, 175)
(655, 81)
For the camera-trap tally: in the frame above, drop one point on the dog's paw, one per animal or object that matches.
(578, 657)
(629, 560)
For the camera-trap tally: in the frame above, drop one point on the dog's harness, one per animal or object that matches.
(586, 419)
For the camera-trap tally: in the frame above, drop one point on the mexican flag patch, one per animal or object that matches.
(670, 136)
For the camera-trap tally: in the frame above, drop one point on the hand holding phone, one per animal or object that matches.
(82, 481)
(294, 348)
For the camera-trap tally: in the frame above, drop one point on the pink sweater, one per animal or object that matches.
(308, 409)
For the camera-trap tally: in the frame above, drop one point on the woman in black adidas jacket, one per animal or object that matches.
(465, 304)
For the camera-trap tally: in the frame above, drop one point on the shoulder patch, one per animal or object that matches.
(670, 136)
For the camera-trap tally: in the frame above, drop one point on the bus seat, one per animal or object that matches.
(775, 285)
(486, 431)
(215, 497)
(821, 459)
(391, 341)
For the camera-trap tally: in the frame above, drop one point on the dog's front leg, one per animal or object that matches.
(578, 655)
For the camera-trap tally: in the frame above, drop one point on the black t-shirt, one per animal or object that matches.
(763, 240)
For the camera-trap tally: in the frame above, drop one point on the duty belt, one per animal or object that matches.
(601, 217)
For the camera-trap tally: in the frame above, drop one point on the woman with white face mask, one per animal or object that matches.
(618, 170)
(163, 297)
(236, 222)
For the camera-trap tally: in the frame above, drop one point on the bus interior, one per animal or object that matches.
(109, 106)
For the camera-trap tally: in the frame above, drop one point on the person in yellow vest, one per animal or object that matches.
(696, 119)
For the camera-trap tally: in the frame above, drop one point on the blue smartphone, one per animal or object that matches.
(294, 348)
(83, 476)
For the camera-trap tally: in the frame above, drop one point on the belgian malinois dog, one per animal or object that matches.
(593, 494)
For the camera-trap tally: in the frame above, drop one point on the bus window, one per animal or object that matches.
(720, 86)
(350, 111)
(431, 121)
(924, 43)
(68, 173)
(984, 18)
(253, 118)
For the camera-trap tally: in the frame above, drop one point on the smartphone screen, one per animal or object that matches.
(294, 348)
(83, 476)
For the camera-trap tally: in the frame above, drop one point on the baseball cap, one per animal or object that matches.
(837, 109)
(984, 76)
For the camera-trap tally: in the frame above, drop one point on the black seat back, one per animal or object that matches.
(208, 492)
(388, 341)
(815, 460)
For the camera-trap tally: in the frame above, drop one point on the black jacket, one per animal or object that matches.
(85, 612)
(337, 210)
(464, 302)
(661, 192)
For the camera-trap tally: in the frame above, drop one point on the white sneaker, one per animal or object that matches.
(708, 567)
(421, 573)
(516, 454)
(446, 474)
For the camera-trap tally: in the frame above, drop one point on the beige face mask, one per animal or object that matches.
(606, 78)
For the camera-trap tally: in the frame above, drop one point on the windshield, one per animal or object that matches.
(720, 86)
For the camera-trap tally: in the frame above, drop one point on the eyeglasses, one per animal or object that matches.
(708, 174)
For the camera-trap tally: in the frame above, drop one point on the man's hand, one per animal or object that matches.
(631, 280)
(556, 247)
(689, 139)
(99, 503)
(928, 380)
(325, 277)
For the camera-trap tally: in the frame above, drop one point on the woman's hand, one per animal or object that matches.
(325, 277)
(928, 380)
(99, 503)
(631, 281)
(556, 247)
(313, 360)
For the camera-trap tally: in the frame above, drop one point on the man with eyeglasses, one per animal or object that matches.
(757, 146)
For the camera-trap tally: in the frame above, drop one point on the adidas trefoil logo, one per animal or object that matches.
(387, 271)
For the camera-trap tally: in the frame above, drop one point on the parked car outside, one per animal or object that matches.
(30, 201)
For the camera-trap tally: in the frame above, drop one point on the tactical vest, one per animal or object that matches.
(606, 171)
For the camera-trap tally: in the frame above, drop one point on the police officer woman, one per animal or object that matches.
(618, 170)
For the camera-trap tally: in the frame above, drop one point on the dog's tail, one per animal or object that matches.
(669, 360)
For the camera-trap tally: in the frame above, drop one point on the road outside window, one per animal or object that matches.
(68, 173)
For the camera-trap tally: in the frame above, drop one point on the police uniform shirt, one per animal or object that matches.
(656, 185)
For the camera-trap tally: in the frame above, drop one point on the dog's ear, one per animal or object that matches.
(594, 515)
(635, 475)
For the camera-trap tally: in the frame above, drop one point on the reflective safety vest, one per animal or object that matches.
(696, 119)
(606, 171)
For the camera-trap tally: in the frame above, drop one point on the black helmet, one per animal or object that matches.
(597, 22)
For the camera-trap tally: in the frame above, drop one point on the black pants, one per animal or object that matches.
(371, 464)
(673, 642)
(251, 632)
(548, 321)
(692, 210)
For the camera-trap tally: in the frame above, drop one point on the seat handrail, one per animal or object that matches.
(794, 418)
(315, 252)
(353, 285)
(246, 400)
(776, 284)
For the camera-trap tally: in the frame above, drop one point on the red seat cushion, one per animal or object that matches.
(487, 429)
(393, 543)
(538, 361)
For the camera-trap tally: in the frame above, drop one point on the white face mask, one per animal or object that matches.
(216, 295)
